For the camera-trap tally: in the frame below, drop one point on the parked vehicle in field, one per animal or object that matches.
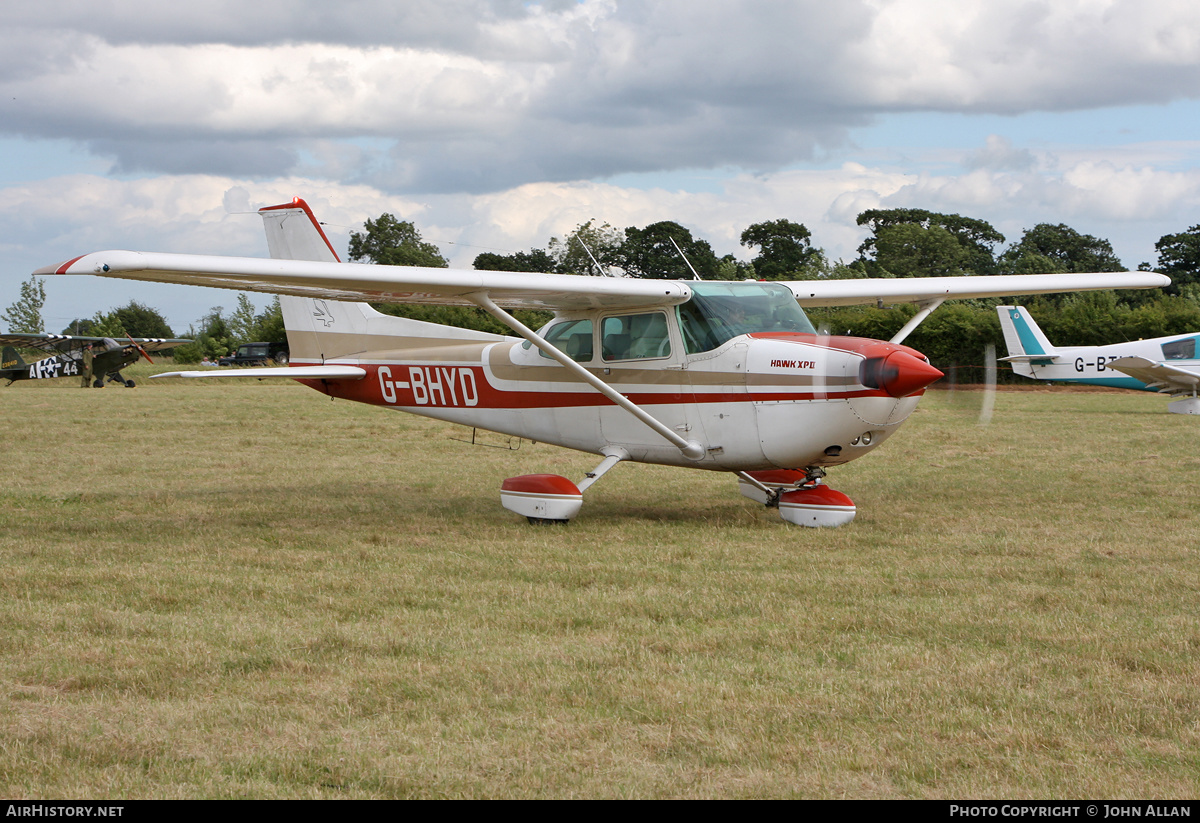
(256, 354)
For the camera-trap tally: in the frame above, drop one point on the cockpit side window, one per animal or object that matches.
(719, 312)
(1180, 349)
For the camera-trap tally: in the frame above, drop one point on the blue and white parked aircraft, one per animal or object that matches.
(1162, 364)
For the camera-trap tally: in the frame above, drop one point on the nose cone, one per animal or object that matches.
(898, 373)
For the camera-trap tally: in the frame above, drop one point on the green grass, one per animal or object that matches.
(252, 591)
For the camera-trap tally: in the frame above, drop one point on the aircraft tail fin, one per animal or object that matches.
(1027, 344)
(293, 233)
(10, 360)
(321, 329)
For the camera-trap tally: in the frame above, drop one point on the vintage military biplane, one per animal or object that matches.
(723, 376)
(68, 360)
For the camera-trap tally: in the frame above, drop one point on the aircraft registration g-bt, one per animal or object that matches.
(723, 376)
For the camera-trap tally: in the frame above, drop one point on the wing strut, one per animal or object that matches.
(690, 448)
(927, 308)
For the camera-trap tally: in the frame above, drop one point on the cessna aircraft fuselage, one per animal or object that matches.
(752, 397)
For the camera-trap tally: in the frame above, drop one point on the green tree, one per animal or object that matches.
(268, 325)
(215, 335)
(1059, 246)
(730, 268)
(785, 250)
(242, 323)
(394, 242)
(977, 237)
(133, 320)
(535, 260)
(649, 253)
(220, 335)
(573, 254)
(25, 316)
(912, 250)
(142, 321)
(1179, 258)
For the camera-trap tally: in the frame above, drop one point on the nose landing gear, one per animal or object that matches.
(801, 496)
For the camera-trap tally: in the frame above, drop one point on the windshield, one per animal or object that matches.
(720, 311)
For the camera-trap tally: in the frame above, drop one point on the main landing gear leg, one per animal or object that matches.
(802, 497)
(551, 498)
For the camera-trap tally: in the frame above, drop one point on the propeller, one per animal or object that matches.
(989, 385)
(136, 346)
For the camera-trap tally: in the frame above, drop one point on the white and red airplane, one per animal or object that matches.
(724, 376)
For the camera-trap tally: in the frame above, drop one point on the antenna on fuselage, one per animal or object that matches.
(695, 276)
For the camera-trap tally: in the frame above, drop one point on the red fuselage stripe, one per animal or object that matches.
(467, 387)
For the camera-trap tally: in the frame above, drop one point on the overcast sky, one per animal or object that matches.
(497, 124)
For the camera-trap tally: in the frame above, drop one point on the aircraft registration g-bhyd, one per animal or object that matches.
(724, 376)
(1164, 364)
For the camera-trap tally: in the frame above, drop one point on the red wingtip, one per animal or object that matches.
(62, 269)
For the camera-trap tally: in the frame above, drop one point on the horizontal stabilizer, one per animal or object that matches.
(1040, 359)
(296, 373)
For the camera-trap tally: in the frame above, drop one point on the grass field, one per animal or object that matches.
(252, 591)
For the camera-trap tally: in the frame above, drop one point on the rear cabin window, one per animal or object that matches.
(573, 337)
(635, 336)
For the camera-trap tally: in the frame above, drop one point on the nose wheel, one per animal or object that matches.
(802, 497)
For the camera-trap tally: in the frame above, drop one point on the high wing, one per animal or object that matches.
(529, 290)
(1162, 376)
(929, 289)
(70, 342)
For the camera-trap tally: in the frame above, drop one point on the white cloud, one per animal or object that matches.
(479, 96)
(1019, 56)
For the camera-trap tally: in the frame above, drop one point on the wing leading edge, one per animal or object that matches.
(565, 292)
(929, 289)
(376, 283)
